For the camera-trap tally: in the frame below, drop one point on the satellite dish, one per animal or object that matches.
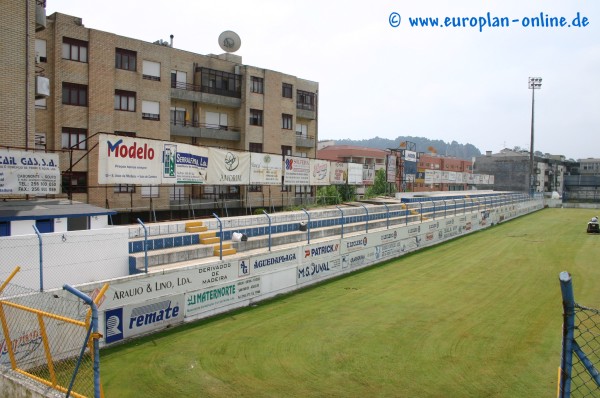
(229, 41)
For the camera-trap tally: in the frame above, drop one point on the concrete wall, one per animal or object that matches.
(73, 257)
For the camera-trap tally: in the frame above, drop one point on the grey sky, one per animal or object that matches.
(445, 83)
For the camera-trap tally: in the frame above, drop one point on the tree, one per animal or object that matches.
(379, 186)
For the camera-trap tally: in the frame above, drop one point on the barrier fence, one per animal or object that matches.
(50, 338)
(578, 374)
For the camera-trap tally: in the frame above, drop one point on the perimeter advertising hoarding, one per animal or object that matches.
(271, 261)
(338, 173)
(358, 259)
(223, 295)
(296, 171)
(228, 167)
(127, 160)
(368, 174)
(355, 174)
(131, 320)
(265, 169)
(181, 281)
(320, 251)
(29, 173)
(319, 172)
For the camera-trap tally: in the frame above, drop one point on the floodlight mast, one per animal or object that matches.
(535, 83)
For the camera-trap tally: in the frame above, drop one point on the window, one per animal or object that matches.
(286, 121)
(73, 138)
(40, 141)
(256, 117)
(215, 120)
(40, 51)
(221, 83)
(124, 188)
(305, 100)
(74, 50)
(74, 94)
(74, 182)
(178, 79)
(151, 70)
(302, 130)
(178, 116)
(257, 84)
(125, 59)
(151, 110)
(124, 100)
(255, 147)
(286, 90)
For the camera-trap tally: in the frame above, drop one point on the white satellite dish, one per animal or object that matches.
(229, 41)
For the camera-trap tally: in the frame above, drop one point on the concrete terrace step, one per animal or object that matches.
(169, 256)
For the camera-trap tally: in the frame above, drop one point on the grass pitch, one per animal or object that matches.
(479, 316)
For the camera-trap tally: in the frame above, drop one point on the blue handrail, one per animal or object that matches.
(269, 217)
(341, 211)
(145, 245)
(41, 258)
(220, 236)
(307, 225)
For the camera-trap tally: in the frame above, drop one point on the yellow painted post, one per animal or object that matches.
(47, 350)
(7, 340)
(6, 282)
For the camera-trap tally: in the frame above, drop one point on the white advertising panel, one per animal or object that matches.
(29, 173)
(130, 320)
(358, 259)
(368, 174)
(355, 243)
(141, 289)
(391, 168)
(338, 173)
(185, 164)
(429, 176)
(127, 160)
(318, 270)
(452, 176)
(296, 171)
(320, 251)
(355, 174)
(222, 295)
(437, 176)
(410, 156)
(228, 167)
(319, 172)
(265, 169)
(271, 261)
(491, 179)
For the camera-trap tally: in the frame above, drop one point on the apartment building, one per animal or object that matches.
(100, 82)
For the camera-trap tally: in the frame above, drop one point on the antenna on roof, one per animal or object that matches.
(229, 41)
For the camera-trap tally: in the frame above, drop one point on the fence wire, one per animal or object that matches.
(587, 337)
(42, 337)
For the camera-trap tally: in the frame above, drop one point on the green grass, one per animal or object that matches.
(479, 316)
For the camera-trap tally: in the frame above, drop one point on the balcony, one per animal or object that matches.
(197, 93)
(305, 141)
(306, 113)
(207, 131)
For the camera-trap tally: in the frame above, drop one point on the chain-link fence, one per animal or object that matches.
(578, 374)
(48, 338)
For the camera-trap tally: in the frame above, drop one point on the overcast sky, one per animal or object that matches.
(447, 83)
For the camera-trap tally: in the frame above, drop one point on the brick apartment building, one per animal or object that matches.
(104, 83)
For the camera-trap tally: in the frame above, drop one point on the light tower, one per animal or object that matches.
(535, 83)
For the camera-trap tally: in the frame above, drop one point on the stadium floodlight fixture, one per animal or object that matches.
(535, 83)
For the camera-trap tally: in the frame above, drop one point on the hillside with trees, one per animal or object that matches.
(453, 149)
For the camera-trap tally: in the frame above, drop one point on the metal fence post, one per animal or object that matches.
(93, 329)
(37, 232)
(387, 215)
(566, 362)
(145, 245)
(307, 225)
(367, 210)
(220, 236)
(341, 211)
(269, 217)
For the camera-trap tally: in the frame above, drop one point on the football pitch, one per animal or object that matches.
(478, 316)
